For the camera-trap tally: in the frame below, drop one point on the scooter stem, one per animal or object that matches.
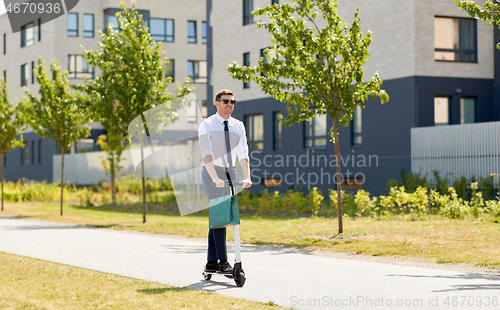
(236, 233)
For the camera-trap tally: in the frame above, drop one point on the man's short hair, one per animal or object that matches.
(222, 93)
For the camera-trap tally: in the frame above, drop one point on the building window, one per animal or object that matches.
(78, 66)
(33, 152)
(441, 111)
(246, 62)
(40, 151)
(170, 68)
(113, 20)
(110, 18)
(273, 2)
(263, 55)
(455, 39)
(197, 71)
(276, 131)
(27, 35)
(191, 31)
(25, 160)
(247, 12)
(72, 25)
(84, 146)
(162, 29)
(4, 43)
(204, 110)
(467, 110)
(24, 75)
(316, 132)
(357, 127)
(5, 76)
(32, 72)
(39, 29)
(88, 25)
(255, 131)
(204, 32)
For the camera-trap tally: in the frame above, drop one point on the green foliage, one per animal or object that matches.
(400, 201)
(460, 186)
(456, 207)
(349, 207)
(10, 122)
(490, 12)
(412, 181)
(366, 206)
(477, 201)
(486, 187)
(493, 207)
(132, 81)
(315, 197)
(441, 184)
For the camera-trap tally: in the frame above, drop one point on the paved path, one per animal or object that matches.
(284, 276)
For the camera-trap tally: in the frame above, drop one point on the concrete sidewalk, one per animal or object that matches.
(287, 277)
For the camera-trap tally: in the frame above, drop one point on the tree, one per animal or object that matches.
(132, 82)
(58, 113)
(10, 122)
(315, 70)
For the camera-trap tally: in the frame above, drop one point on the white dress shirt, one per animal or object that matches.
(212, 140)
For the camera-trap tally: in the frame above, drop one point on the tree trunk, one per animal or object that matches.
(339, 187)
(113, 179)
(62, 178)
(1, 173)
(144, 206)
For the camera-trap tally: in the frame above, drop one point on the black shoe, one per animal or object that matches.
(225, 268)
(212, 267)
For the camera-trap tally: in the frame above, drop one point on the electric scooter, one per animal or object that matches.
(238, 273)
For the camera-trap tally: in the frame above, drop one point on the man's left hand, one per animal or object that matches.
(246, 183)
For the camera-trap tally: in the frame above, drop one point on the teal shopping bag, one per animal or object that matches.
(223, 211)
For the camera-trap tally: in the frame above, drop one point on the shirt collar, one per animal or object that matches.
(221, 119)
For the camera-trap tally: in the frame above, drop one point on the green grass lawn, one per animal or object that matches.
(434, 239)
(28, 283)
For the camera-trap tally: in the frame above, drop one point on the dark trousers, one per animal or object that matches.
(216, 237)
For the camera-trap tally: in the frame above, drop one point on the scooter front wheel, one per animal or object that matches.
(240, 280)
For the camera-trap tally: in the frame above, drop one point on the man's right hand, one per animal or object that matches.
(218, 182)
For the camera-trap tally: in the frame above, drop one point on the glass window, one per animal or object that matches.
(170, 69)
(25, 159)
(275, 2)
(455, 39)
(4, 43)
(204, 32)
(40, 152)
(5, 75)
(246, 62)
(357, 127)
(78, 67)
(441, 111)
(113, 20)
(316, 133)
(191, 31)
(255, 131)
(72, 25)
(39, 29)
(197, 71)
(32, 72)
(276, 131)
(24, 75)
(162, 29)
(247, 12)
(33, 152)
(467, 110)
(88, 25)
(27, 35)
(84, 146)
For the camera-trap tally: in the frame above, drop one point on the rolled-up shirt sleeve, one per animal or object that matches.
(243, 146)
(204, 140)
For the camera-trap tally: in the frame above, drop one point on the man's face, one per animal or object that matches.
(224, 109)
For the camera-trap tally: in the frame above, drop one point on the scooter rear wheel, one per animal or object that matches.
(208, 277)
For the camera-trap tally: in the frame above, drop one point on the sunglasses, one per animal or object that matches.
(226, 101)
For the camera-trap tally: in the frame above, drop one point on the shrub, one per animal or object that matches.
(456, 207)
(412, 181)
(460, 186)
(493, 207)
(441, 184)
(366, 205)
(477, 201)
(315, 198)
(348, 205)
(299, 202)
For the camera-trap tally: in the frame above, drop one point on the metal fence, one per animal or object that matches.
(470, 150)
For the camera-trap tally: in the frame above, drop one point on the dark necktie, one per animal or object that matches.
(228, 145)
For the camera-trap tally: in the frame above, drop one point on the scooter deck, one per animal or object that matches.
(227, 275)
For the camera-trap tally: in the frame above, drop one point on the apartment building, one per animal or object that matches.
(439, 67)
(180, 25)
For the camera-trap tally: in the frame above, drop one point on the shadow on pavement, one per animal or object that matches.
(212, 285)
(462, 287)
